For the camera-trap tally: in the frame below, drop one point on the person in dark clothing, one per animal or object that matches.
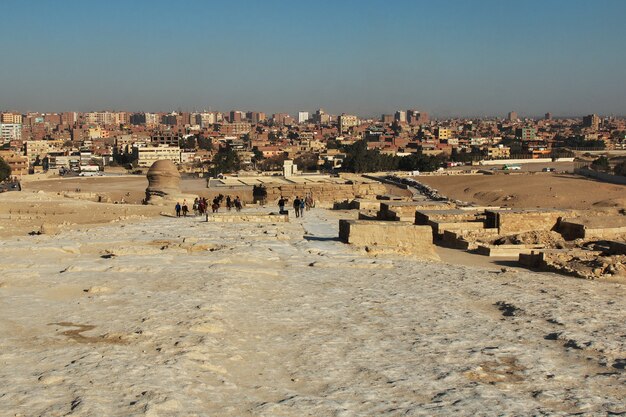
(296, 206)
(177, 208)
(281, 204)
(237, 203)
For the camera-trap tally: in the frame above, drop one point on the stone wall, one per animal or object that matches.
(520, 221)
(405, 210)
(388, 236)
(601, 227)
(324, 194)
(447, 215)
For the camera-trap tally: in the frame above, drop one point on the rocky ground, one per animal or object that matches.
(169, 317)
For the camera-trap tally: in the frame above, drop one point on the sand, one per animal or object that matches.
(545, 190)
(169, 317)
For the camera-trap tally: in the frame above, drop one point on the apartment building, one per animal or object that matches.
(147, 155)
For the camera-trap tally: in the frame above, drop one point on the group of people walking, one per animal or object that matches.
(201, 205)
(299, 204)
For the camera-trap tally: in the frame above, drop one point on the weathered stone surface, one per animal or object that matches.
(388, 236)
(247, 218)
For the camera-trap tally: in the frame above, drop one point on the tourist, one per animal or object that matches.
(281, 205)
(302, 205)
(185, 208)
(237, 204)
(229, 203)
(296, 206)
(196, 206)
(177, 208)
(309, 201)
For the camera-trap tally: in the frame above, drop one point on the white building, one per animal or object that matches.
(207, 119)
(10, 131)
(147, 155)
(152, 119)
(303, 116)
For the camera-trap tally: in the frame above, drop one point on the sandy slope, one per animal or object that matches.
(530, 190)
(170, 317)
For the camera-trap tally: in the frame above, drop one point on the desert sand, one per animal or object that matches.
(528, 190)
(165, 317)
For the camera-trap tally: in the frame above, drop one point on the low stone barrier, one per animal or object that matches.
(601, 227)
(506, 250)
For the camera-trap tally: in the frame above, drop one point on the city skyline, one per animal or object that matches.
(365, 58)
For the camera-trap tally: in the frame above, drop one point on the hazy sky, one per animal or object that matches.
(464, 57)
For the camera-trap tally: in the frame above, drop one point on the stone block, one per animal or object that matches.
(388, 237)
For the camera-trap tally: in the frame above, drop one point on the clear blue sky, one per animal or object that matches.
(464, 57)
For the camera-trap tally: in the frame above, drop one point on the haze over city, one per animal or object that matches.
(451, 58)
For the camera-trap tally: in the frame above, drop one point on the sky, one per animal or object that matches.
(368, 57)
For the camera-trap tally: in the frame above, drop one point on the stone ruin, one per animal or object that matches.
(164, 184)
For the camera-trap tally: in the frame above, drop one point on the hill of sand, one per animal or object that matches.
(171, 317)
(530, 190)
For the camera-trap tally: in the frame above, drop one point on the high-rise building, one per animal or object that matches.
(282, 118)
(303, 116)
(152, 119)
(512, 116)
(400, 116)
(526, 133)
(591, 121)
(10, 131)
(346, 121)
(11, 118)
(236, 116)
(548, 116)
(415, 117)
(69, 117)
(256, 117)
(321, 117)
(387, 118)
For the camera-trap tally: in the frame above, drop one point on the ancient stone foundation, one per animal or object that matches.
(510, 221)
(388, 237)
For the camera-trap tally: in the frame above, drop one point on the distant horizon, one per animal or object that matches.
(311, 112)
(451, 58)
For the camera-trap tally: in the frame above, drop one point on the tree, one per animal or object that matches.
(187, 143)
(601, 164)
(205, 143)
(5, 170)
(273, 163)
(226, 160)
(620, 169)
(307, 162)
(257, 155)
